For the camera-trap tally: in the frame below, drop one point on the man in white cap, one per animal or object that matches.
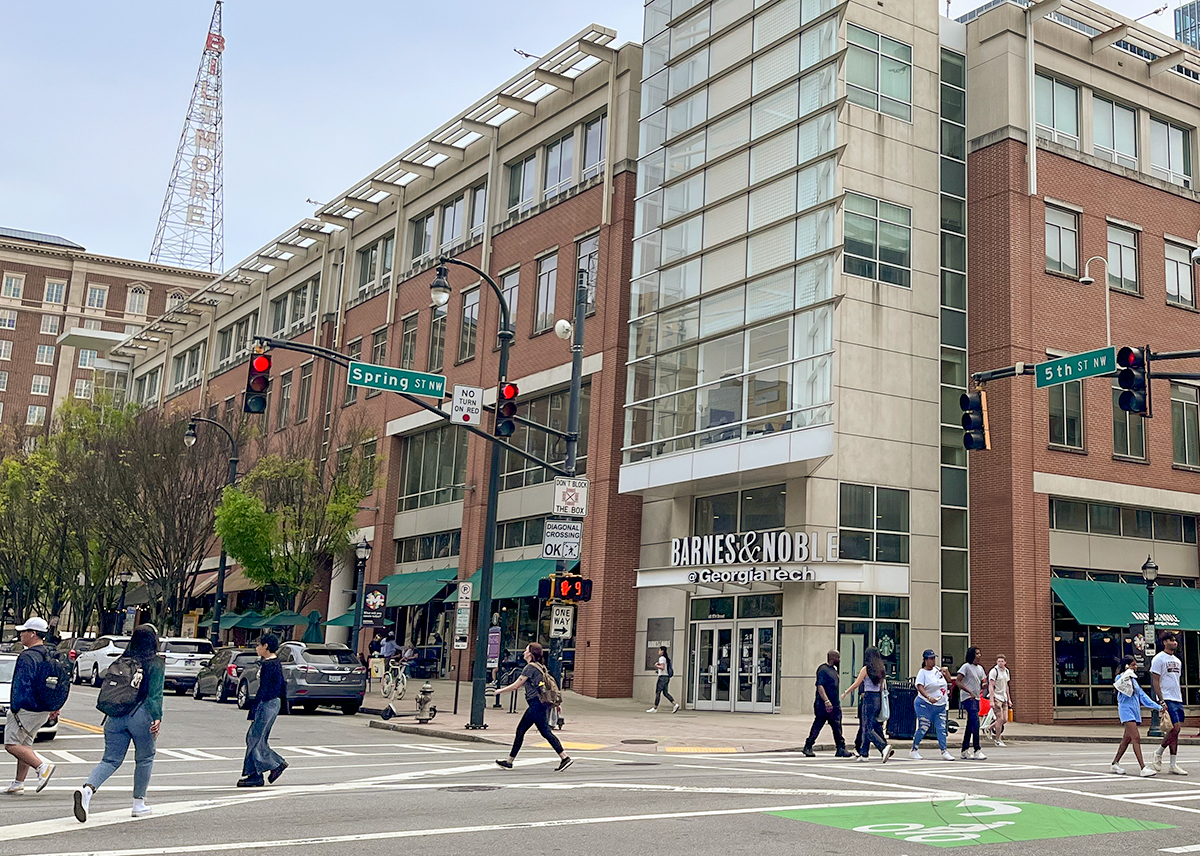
(23, 721)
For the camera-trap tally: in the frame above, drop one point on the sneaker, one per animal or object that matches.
(888, 752)
(564, 763)
(1176, 771)
(862, 759)
(968, 755)
(979, 756)
(1000, 743)
(1118, 769)
(807, 752)
(274, 775)
(915, 755)
(142, 811)
(675, 709)
(44, 773)
(652, 710)
(248, 782)
(504, 762)
(946, 756)
(1147, 772)
(83, 796)
(842, 753)
(15, 789)
(1156, 759)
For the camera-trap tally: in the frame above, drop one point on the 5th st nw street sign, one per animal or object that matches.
(1102, 361)
(396, 380)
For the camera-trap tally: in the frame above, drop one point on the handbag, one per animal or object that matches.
(885, 706)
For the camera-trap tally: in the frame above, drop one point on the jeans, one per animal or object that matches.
(118, 732)
(261, 758)
(660, 689)
(822, 716)
(535, 716)
(868, 718)
(929, 714)
(971, 706)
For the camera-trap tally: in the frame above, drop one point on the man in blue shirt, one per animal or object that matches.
(24, 719)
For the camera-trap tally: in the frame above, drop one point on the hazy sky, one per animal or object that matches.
(317, 94)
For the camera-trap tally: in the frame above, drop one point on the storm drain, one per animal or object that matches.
(637, 741)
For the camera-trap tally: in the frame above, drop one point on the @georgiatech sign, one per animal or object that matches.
(753, 575)
(751, 548)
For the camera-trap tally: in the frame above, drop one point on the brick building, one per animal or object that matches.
(534, 183)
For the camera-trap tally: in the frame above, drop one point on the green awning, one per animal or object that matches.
(1120, 604)
(228, 619)
(249, 620)
(512, 579)
(417, 588)
(287, 618)
(347, 620)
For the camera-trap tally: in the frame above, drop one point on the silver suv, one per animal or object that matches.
(184, 660)
(315, 675)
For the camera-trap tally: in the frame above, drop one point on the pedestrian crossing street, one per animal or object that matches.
(91, 755)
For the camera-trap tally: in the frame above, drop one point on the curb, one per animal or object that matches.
(430, 732)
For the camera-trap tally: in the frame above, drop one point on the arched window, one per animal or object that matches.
(135, 301)
(176, 300)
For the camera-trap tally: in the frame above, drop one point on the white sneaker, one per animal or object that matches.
(946, 756)
(1118, 769)
(862, 759)
(83, 797)
(1176, 771)
(1000, 743)
(979, 756)
(1147, 772)
(675, 709)
(888, 752)
(1156, 759)
(968, 755)
(15, 789)
(44, 773)
(915, 755)
(652, 710)
(141, 810)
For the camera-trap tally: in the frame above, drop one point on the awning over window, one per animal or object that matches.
(417, 588)
(1120, 604)
(513, 579)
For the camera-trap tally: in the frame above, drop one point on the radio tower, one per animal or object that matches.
(191, 231)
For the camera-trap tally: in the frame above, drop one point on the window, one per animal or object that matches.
(1185, 419)
(368, 267)
(1170, 153)
(285, 400)
(560, 166)
(551, 411)
(35, 415)
(1062, 241)
(8, 319)
(13, 286)
(478, 210)
(378, 355)
(3, 381)
(408, 342)
(83, 388)
(435, 466)
(1066, 414)
(5, 349)
(1057, 111)
(1129, 438)
(50, 324)
(873, 524)
(512, 534)
(879, 73)
(55, 292)
(878, 240)
(437, 337)
(452, 223)
(758, 509)
(93, 324)
(87, 358)
(305, 393)
(1122, 259)
(521, 190)
(368, 467)
(1179, 276)
(422, 244)
(135, 301)
(595, 137)
(881, 621)
(440, 545)
(279, 316)
(97, 296)
(299, 301)
(468, 327)
(355, 353)
(40, 385)
(175, 300)
(510, 285)
(587, 252)
(1114, 132)
(543, 315)
(45, 355)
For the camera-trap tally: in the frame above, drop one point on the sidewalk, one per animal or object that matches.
(591, 724)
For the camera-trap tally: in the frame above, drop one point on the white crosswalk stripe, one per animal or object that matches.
(192, 755)
(315, 751)
(63, 757)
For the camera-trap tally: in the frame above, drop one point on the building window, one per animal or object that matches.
(97, 296)
(440, 545)
(878, 620)
(879, 73)
(5, 349)
(1057, 111)
(285, 400)
(3, 381)
(435, 467)
(547, 279)
(1179, 276)
(40, 385)
(587, 252)
(452, 223)
(560, 166)
(1170, 153)
(1062, 241)
(378, 355)
(83, 388)
(8, 319)
(305, 393)
(367, 484)
(279, 316)
(1122, 259)
(513, 534)
(368, 267)
(510, 284)
(551, 411)
(1185, 419)
(408, 342)
(759, 509)
(35, 415)
(135, 301)
(478, 210)
(87, 358)
(51, 324)
(437, 337)
(225, 346)
(595, 138)
(468, 327)
(522, 177)
(13, 286)
(56, 292)
(1066, 414)
(422, 243)
(878, 240)
(1129, 437)
(93, 324)
(1114, 132)
(873, 524)
(45, 355)
(175, 300)
(355, 354)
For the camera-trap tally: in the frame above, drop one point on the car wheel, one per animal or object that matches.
(196, 694)
(243, 697)
(180, 690)
(96, 676)
(350, 709)
(76, 678)
(223, 695)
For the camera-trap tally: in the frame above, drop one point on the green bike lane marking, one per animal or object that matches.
(955, 823)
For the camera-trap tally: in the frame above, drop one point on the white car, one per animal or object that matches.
(184, 660)
(8, 664)
(92, 664)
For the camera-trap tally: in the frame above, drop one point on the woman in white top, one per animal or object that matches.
(931, 704)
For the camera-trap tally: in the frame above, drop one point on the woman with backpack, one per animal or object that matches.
(539, 691)
(665, 672)
(131, 699)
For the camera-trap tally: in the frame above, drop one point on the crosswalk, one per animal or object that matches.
(90, 756)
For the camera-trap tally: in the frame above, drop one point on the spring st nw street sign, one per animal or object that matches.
(396, 380)
(1102, 361)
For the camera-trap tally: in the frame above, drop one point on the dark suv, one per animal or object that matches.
(315, 675)
(220, 675)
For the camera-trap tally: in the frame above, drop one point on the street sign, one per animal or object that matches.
(467, 405)
(570, 496)
(396, 380)
(464, 595)
(374, 603)
(1101, 361)
(562, 621)
(561, 539)
(462, 616)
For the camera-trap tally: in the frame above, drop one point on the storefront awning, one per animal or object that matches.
(417, 588)
(228, 620)
(1119, 604)
(513, 579)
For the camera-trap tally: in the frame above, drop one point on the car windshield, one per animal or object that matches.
(200, 646)
(7, 667)
(325, 657)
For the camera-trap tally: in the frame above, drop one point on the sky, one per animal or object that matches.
(317, 95)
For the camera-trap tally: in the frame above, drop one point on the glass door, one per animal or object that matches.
(758, 666)
(704, 668)
(714, 653)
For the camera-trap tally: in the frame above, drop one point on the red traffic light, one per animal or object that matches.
(261, 363)
(1131, 358)
(509, 392)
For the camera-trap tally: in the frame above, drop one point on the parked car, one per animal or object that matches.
(92, 664)
(8, 665)
(185, 657)
(74, 647)
(315, 675)
(220, 675)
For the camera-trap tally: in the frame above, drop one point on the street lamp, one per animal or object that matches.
(189, 440)
(1150, 574)
(362, 552)
(124, 577)
(1087, 279)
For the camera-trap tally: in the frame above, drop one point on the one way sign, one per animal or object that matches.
(561, 539)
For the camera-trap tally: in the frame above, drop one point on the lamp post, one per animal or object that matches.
(362, 552)
(189, 439)
(1087, 279)
(1150, 574)
(124, 577)
(439, 291)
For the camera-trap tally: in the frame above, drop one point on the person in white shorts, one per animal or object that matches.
(1000, 691)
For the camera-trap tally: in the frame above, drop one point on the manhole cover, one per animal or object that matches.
(640, 742)
(466, 789)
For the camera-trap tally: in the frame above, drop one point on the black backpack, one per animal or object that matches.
(52, 681)
(121, 691)
(670, 668)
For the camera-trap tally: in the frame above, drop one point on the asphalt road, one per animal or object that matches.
(353, 789)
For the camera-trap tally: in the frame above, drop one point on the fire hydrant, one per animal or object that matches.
(425, 710)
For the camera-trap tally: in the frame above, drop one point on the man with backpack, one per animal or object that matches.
(39, 689)
(666, 671)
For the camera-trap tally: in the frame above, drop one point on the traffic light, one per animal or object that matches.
(572, 587)
(1135, 380)
(258, 380)
(506, 409)
(975, 420)
(546, 587)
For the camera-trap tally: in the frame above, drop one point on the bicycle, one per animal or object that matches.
(395, 680)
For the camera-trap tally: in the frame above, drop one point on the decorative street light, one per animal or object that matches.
(1150, 574)
(189, 440)
(362, 552)
(1087, 279)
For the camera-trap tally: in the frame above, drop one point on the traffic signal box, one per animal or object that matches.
(565, 588)
(975, 420)
(258, 381)
(1134, 379)
(506, 409)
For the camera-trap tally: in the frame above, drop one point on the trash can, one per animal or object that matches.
(902, 719)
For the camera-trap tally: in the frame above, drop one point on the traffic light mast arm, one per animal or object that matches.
(1007, 371)
(491, 408)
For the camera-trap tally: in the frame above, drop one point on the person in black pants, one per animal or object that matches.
(531, 678)
(272, 695)
(827, 707)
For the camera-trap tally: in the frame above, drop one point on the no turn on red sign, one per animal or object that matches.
(467, 406)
